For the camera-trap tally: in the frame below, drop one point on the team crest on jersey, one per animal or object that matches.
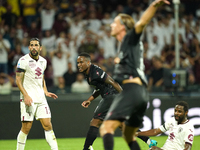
(32, 64)
(97, 73)
(180, 130)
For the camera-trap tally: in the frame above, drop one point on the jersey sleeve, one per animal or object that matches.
(189, 135)
(21, 65)
(134, 37)
(99, 75)
(166, 125)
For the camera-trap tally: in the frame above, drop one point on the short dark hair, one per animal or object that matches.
(86, 55)
(35, 39)
(184, 104)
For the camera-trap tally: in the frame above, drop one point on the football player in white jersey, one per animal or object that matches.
(32, 86)
(181, 130)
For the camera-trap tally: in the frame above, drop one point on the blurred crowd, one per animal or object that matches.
(69, 27)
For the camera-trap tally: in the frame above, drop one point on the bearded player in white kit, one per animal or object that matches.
(32, 86)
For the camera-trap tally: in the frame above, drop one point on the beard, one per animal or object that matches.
(180, 119)
(34, 54)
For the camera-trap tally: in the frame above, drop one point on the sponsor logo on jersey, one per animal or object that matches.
(38, 71)
(18, 65)
(32, 64)
(190, 137)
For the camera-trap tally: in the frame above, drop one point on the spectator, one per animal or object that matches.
(33, 31)
(29, 11)
(61, 88)
(60, 24)
(69, 76)
(80, 85)
(47, 11)
(25, 45)
(6, 83)
(59, 63)
(48, 41)
(4, 50)
(156, 76)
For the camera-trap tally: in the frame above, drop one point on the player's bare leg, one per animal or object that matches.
(22, 136)
(49, 134)
(107, 130)
(129, 136)
(92, 133)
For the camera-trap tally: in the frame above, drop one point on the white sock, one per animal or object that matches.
(149, 141)
(21, 140)
(51, 139)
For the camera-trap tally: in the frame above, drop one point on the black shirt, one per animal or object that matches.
(96, 78)
(131, 59)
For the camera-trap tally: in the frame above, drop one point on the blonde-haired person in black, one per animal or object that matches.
(130, 105)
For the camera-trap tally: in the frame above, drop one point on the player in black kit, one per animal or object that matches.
(106, 87)
(130, 105)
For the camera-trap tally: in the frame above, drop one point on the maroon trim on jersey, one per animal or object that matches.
(188, 143)
(21, 100)
(23, 118)
(20, 70)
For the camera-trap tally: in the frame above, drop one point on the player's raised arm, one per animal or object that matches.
(19, 81)
(148, 15)
(109, 80)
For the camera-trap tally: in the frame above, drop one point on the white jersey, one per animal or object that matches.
(179, 134)
(33, 77)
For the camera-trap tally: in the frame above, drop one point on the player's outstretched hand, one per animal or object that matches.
(49, 94)
(85, 104)
(158, 3)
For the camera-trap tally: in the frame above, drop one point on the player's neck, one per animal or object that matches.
(120, 36)
(184, 121)
(34, 57)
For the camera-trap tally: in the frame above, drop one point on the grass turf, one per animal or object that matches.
(77, 144)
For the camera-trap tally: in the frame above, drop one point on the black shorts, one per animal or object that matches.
(103, 107)
(130, 105)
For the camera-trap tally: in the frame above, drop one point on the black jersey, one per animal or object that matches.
(96, 78)
(131, 59)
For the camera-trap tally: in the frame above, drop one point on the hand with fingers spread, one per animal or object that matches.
(158, 3)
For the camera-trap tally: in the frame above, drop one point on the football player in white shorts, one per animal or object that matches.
(33, 103)
(181, 130)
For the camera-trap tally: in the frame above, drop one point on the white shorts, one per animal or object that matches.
(39, 110)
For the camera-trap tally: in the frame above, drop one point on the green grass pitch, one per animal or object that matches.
(77, 144)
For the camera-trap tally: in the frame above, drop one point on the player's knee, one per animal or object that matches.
(96, 122)
(47, 126)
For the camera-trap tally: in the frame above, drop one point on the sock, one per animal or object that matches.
(51, 139)
(108, 141)
(21, 140)
(148, 141)
(91, 136)
(144, 138)
(134, 145)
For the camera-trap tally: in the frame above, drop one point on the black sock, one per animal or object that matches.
(108, 141)
(91, 136)
(144, 138)
(134, 145)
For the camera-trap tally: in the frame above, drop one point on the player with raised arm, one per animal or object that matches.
(181, 130)
(32, 86)
(130, 105)
(107, 88)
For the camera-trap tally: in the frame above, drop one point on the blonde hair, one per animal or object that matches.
(127, 21)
